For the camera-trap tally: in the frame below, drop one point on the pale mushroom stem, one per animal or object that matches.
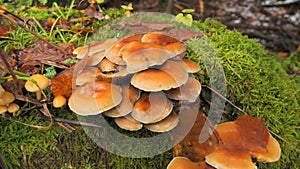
(38, 95)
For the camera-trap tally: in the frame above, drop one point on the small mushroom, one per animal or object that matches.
(107, 66)
(159, 38)
(151, 107)
(224, 159)
(169, 75)
(87, 75)
(189, 91)
(13, 108)
(190, 66)
(6, 98)
(3, 109)
(59, 101)
(128, 123)
(42, 83)
(183, 163)
(165, 124)
(94, 98)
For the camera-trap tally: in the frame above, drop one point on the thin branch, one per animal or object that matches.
(28, 30)
(9, 68)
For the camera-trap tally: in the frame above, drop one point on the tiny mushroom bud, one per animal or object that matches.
(13, 108)
(6, 98)
(59, 101)
(42, 83)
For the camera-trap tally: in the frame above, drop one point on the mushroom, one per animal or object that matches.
(189, 91)
(151, 107)
(59, 101)
(94, 47)
(169, 75)
(128, 123)
(112, 53)
(190, 66)
(13, 108)
(159, 38)
(165, 124)
(183, 163)
(94, 98)
(6, 98)
(3, 109)
(42, 82)
(224, 159)
(129, 96)
(107, 66)
(87, 75)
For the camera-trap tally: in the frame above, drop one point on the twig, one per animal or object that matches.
(2, 163)
(28, 99)
(9, 68)
(25, 157)
(28, 30)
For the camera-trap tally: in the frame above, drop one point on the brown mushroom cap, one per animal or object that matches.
(112, 53)
(59, 101)
(107, 66)
(189, 91)
(95, 58)
(92, 48)
(1, 90)
(151, 107)
(169, 75)
(128, 123)
(6, 98)
(190, 66)
(183, 163)
(165, 124)
(140, 56)
(41, 80)
(87, 75)
(159, 38)
(272, 154)
(13, 108)
(95, 98)
(3, 109)
(129, 96)
(120, 76)
(223, 159)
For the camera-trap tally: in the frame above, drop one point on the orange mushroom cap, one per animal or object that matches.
(183, 163)
(128, 123)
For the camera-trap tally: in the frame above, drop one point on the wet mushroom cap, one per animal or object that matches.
(107, 66)
(92, 48)
(159, 38)
(183, 163)
(189, 91)
(190, 66)
(13, 107)
(41, 80)
(165, 124)
(95, 98)
(167, 76)
(6, 98)
(1, 90)
(87, 75)
(3, 109)
(128, 123)
(112, 53)
(151, 107)
(223, 159)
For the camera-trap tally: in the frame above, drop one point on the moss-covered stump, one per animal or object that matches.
(255, 81)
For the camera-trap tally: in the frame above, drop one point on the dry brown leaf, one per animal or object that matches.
(62, 83)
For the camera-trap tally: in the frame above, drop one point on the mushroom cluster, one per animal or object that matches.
(6, 102)
(139, 80)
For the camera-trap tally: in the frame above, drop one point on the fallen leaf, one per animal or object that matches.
(62, 83)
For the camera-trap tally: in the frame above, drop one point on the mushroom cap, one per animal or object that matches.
(41, 80)
(1, 90)
(13, 107)
(159, 38)
(151, 107)
(95, 58)
(272, 154)
(120, 76)
(112, 53)
(59, 101)
(93, 48)
(169, 75)
(140, 56)
(3, 109)
(128, 123)
(189, 91)
(94, 98)
(87, 75)
(6, 98)
(107, 66)
(129, 96)
(165, 124)
(223, 159)
(183, 163)
(190, 66)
